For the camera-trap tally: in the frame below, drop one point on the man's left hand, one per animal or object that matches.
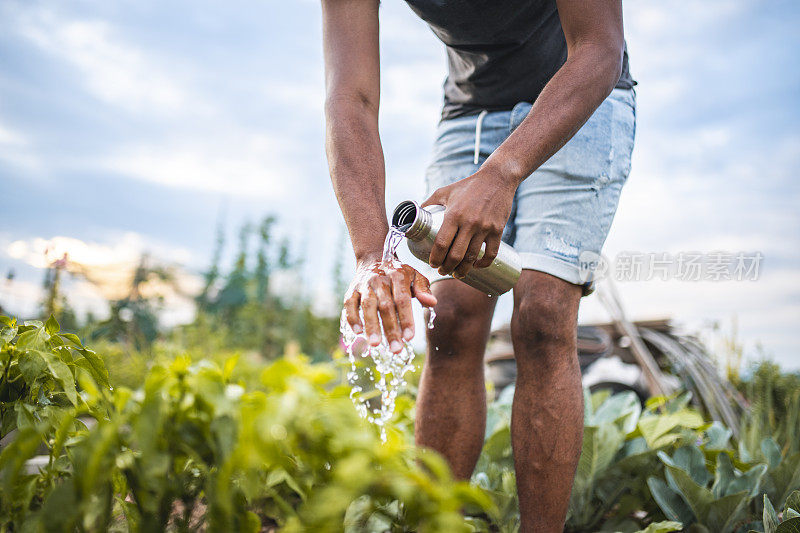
(477, 209)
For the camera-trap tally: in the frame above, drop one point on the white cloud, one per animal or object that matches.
(114, 71)
(10, 137)
(127, 248)
(239, 164)
(103, 271)
(15, 149)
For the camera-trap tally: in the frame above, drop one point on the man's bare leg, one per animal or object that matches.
(547, 416)
(451, 407)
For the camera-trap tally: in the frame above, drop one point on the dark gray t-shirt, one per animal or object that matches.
(499, 52)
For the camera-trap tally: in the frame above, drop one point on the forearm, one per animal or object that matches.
(355, 159)
(564, 105)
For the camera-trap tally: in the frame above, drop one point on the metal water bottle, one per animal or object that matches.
(421, 225)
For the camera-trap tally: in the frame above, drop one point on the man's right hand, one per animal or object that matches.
(385, 289)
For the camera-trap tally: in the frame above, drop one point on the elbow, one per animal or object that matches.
(604, 59)
(350, 101)
(609, 62)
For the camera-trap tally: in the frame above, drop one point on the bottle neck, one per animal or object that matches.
(421, 226)
(413, 220)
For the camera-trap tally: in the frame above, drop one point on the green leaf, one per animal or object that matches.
(718, 437)
(14, 456)
(624, 407)
(74, 339)
(31, 365)
(600, 445)
(749, 482)
(770, 517)
(696, 497)
(723, 476)
(98, 368)
(724, 513)
(656, 429)
(8, 332)
(63, 375)
(662, 527)
(771, 451)
(32, 338)
(718, 515)
(669, 501)
(789, 526)
(786, 477)
(692, 461)
(793, 501)
(52, 326)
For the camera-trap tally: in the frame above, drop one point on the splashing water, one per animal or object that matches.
(431, 317)
(376, 374)
(393, 239)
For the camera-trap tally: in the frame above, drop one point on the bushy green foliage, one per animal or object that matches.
(619, 452)
(233, 444)
(789, 519)
(247, 308)
(195, 445)
(42, 370)
(774, 409)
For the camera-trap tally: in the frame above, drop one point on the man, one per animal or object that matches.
(533, 147)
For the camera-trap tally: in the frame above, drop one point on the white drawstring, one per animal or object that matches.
(478, 127)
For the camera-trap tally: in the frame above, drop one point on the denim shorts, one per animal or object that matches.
(563, 211)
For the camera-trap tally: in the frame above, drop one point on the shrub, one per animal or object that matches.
(230, 443)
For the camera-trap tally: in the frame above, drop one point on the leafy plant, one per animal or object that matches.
(692, 495)
(41, 368)
(619, 452)
(774, 409)
(195, 446)
(788, 522)
(783, 473)
(223, 442)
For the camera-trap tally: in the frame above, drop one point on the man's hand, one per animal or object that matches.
(477, 209)
(386, 288)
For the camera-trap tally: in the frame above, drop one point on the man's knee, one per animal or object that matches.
(541, 325)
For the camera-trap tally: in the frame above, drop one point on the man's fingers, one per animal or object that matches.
(457, 251)
(369, 305)
(351, 312)
(441, 245)
(471, 255)
(421, 288)
(401, 290)
(388, 312)
(437, 198)
(490, 252)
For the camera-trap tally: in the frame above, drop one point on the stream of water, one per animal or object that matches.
(377, 375)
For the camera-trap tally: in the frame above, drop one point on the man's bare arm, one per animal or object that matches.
(355, 155)
(478, 206)
(595, 43)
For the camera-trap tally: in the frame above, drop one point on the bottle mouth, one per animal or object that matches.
(411, 219)
(404, 215)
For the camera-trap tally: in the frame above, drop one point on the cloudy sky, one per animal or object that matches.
(135, 126)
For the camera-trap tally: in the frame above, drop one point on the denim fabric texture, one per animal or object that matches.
(565, 208)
